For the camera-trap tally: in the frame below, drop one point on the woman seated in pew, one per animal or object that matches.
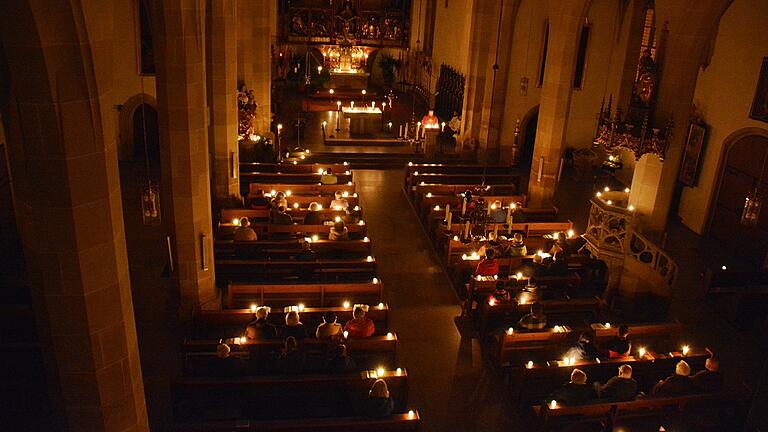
(340, 362)
(281, 217)
(260, 329)
(536, 320)
(339, 202)
(293, 327)
(584, 348)
(313, 217)
(329, 329)
(498, 214)
(278, 200)
(677, 384)
(709, 379)
(516, 246)
(619, 388)
(576, 391)
(244, 232)
(620, 346)
(225, 365)
(360, 326)
(292, 360)
(338, 232)
(379, 403)
(488, 266)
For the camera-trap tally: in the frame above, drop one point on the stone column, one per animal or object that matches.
(63, 162)
(254, 59)
(222, 96)
(555, 100)
(181, 90)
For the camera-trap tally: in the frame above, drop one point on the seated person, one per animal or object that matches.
(709, 379)
(244, 232)
(329, 328)
(225, 365)
(338, 232)
(359, 326)
(328, 178)
(492, 243)
(536, 268)
(536, 320)
(488, 266)
(260, 329)
(498, 214)
(620, 346)
(379, 404)
(619, 388)
(560, 244)
(499, 295)
(278, 200)
(576, 391)
(259, 201)
(340, 361)
(306, 254)
(292, 360)
(677, 384)
(293, 327)
(517, 247)
(280, 217)
(313, 217)
(585, 349)
(558, 266)
(339, 202)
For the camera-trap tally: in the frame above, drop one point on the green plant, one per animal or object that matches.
(388, 65)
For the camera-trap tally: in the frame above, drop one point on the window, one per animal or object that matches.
(543, 61)
(145, 48)
(581, 58)
(648, 41)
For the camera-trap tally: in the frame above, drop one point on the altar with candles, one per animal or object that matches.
(363, 121)
(346, 66)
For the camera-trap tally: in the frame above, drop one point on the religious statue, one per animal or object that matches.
(246, 112)
(347, 15)
(645, 85)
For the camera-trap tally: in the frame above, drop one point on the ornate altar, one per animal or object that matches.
(346, 65)
(376, 23)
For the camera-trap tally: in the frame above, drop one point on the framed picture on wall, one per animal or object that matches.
(694, 143)
(760, 104)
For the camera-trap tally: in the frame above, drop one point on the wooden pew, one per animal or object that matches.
(321, 295)
(560, 311)
(263, 270)
(280, 397)
(289, 168)
(297, 214)
(390, 423)
(609, 413)
(533, 384)
(420, 189)
(325, 249)
(295, 178)
(324, 200)
(356, 230)
(303, 189)
(456, 179)
(479, 287)
(449, 168)
(231, 322)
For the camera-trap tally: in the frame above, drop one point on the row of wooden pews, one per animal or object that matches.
(263, 395)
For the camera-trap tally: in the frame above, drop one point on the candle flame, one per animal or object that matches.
(390, 336)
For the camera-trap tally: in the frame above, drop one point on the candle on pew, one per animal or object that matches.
(401, 131)
(509, 215)
(464, 207)
(466, 230)
(489, 210)
(448, 216)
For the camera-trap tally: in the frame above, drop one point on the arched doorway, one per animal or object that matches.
(743, 167)
(528, 140)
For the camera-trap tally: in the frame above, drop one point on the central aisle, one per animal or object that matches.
(448, 382)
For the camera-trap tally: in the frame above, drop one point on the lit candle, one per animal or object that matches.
(381, 305)
(509, 215)
(570, 233)
(529, 365)
(442, 129)
(607, 189)
(236, 222)
(495, 230)
(641, 352)
(390, 336)
(437, 208)
(346, 334)
(626, 190)
(346, 305)
(411, 414)
(253, 308)
(510, 331)
(366, 239)
(519, 275)
(369, 258)
(352, 104)
(448, 219)
(315, 238)
(375, 280)
(301, 307)
(295, 205)
(607, 325)
(380, 371)
(553, 404)
(685, 349)
(401, 131)
(399, 371)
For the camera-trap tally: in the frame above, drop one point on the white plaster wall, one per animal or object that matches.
(452, 29)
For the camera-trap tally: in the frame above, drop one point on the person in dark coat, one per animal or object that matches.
(226, 365)
(306, 254)
(619, 388)
(293, 327)
(620, 346)
(260, 328)
(677, 384)
(586, 349)
(313, 217)
(280, 217)
(379, 403)
(576, 391)
(340, 362)
(292, 360)
(709, 379)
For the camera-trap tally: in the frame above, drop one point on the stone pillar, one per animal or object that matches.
(254, 59)
(65, 179)
(555, 100)
(222, 97)
(181, 90)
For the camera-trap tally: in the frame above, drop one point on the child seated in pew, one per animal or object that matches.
(619, 388)
(329, 328)
(313, 216)
(340, 362)
(293, 327)
(576, 391)
(488, 266)
(536, 320)
(516, 246)
(360, 326)
(620, 346)
(244, 232)
(339, 202)
(709, 379)
(677, 384)
(379, 403)
(260, 329)
(225, 365)
(338, 232)
(292, 361)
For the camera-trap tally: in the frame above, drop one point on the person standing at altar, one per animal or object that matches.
(430, 120)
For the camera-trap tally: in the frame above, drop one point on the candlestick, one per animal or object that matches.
(464, 207)
(401, 131)
(466, 229)
(442, 127)
(448, 219)
(495, 230)
(509, 216)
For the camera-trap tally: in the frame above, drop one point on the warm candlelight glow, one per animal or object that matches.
(390, 336)
(415, 173)
(354, 194)
(607, 325)
(411, 414)
(437, 208)
(253, 308)
(570, 233)
(529, 365)
(685, 349)
(510, 331)
(519, 275)
(337, 218)
(641, 352)
(295, 205)
(346, 305)
(366, 239)
(410, 163)
(375, 280)
(361, 223)
(346, 172)
(607, 189)
(513, 206)
(349, 183)
(492, 301)
(598, 194)
(301, 307)
(626, 190)
(724, 268)
(631, 208)
(553, 404)
(346, 334)
(345, 194)
(369, 258)
(455, 238)
(429, 194)
(609, 202)
(236, 222)
(380, 371)
(381, 305)
(314, 238)
(399, 371)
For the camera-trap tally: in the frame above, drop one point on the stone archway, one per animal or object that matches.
(741, 167)
(125, 145)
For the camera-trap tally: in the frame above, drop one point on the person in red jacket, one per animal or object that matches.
(488, 266)
(359, 326)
